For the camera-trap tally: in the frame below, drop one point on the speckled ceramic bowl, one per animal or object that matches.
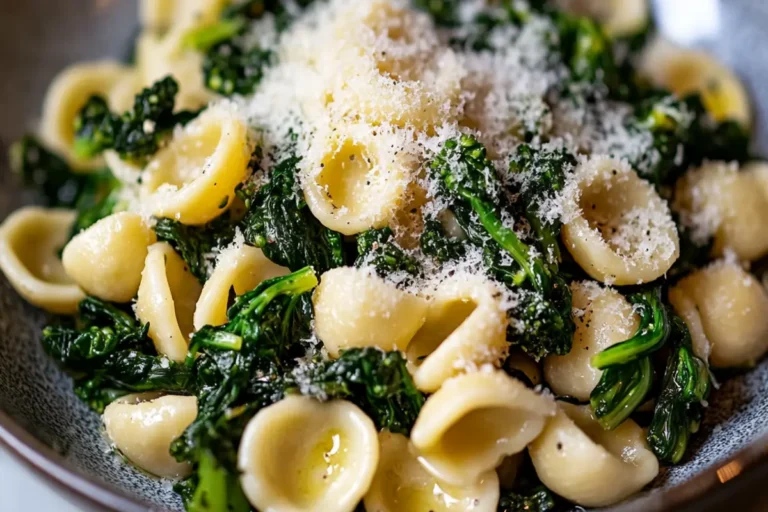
(43, 421)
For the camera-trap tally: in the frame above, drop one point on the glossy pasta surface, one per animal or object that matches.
(394, 255)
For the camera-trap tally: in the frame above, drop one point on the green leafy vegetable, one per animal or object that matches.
(136, 134)
(375, 247)
(680, 405)
(195, 244)
(542, 317)
(377, 381)
(281, 224)
(537, 499)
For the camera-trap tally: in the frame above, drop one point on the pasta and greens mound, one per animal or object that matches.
(373, 203)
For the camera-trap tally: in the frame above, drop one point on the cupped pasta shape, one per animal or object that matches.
(402, 484)
(193, 179)
(465, 328)
(166, 300)
(721, 201)
(66, 95)
(519, 361)
(619, 18)
(473, 421)
(622, 232)
(106, 259)
(157, 15)
(143, 426)
(303, 455)
(357, 308)
(726, 310)
(240, 269)
(590, 466)
(356, 178)
(685, 71)
(30, 239)
(602, 317)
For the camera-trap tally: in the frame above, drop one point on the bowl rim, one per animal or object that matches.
(715, 481)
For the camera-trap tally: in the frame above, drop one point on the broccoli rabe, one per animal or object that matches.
(437, 244)
(542, 175)
(444, 12)
(195, 244)
(281, 224)
(627, 371)
(238, 369)
(537, 499)
(39, 168)
(377, 381)
(100, 198)
(541, 319)
(680, 404)
(230, 69)
(375, 247)
(136, 134)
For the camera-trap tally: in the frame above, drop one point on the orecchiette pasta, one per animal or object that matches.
(465, 328)
(402, 484)
(722, 201)
(523, 363)
(726, 310)
(623, 232)
(157, 15)
(593, 467)
(685, 71)
(166, 300)
(29, 241)
(143, 427)
(355, 180)
(193, 180)
(356, 308)
(239, 268)
(473, 421)
(602, 318)
(327, 463)
(106, 259)
(67, 94)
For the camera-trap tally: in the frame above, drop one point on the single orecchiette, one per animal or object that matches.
(166, 300)
(402, 484)
(602, 317)
(326, 463)
(355, 180)
(473, 421)
(30, 239)
(521, 362)
(720, 200)
(193, 179)
(726, 310)
(67, 94)
(143, 427)
(106, 259)
(622, 232)
(240, 269)
(356, 308)
(686, 71)
(465, 328)
(590, 466)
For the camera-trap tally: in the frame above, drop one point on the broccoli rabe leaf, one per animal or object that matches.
(680, 405)
(281, 224)
(39, 168)
(444, 12)
(230, 69)
(100, 198)
(195, 244)
(627, 371)
(436, 243)
(537, 499)
(136, 134)
(376, 381)
(376, 247)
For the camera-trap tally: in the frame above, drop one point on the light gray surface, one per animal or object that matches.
(22, 489)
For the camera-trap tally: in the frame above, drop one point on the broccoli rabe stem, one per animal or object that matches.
(650, 336)
(254, 303)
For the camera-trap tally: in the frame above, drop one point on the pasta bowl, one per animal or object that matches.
(44, 422)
